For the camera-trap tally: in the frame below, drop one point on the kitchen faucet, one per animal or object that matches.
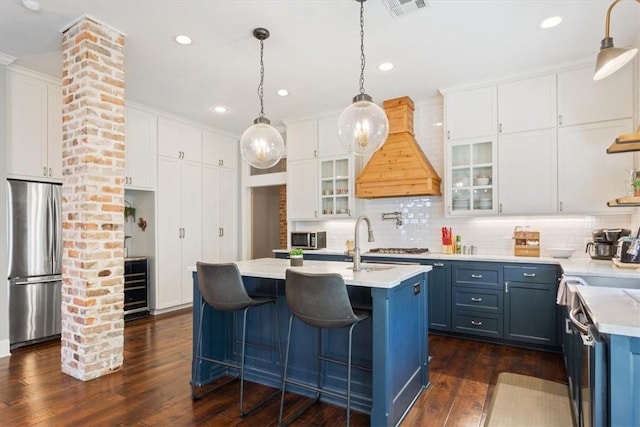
(356, 239)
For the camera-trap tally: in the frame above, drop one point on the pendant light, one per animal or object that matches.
(362, 126)
(611, 59)
(261, 145)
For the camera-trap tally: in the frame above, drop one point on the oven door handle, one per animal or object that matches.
(584, 329)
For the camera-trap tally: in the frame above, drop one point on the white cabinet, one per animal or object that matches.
(528, 104)
(302, 140)
(219, 150)
(328, 141)
(471, 113)
(141, 149)
(179, 229)
(179, 140)
(528, 172)
(336, 187)
(581, 100)
(34, 121)
(302, 189)
(587, 176)
(220, 214)
(471, 175)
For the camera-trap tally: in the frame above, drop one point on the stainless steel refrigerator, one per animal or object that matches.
(35, 257)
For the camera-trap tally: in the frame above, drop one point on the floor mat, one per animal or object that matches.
(520, 400)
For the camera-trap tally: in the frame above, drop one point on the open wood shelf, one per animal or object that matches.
(625, 201)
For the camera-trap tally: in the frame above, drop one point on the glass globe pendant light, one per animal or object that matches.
(362, 126)
(261, 145)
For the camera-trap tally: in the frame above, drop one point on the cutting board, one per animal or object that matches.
(619, 264)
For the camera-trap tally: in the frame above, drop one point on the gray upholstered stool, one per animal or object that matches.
(321, 301)
(222, 288)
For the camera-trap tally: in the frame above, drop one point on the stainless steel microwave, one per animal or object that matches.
(309, 239)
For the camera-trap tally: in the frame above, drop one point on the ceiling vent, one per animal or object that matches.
(399, 8)
(399, 168)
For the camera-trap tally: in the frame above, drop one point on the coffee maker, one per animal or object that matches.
(605, 242)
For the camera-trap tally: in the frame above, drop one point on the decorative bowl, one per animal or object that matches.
(561, 252)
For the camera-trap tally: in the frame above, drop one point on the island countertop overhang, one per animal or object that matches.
(391, 276)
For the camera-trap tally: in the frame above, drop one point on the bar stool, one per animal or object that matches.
(222, 288)
(321, 301)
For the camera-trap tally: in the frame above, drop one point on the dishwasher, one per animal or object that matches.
(586, 362)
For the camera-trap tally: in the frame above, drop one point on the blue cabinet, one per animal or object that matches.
(439, 296)
(530, 313)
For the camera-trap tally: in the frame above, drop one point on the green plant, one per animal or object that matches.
(296, 252)
(129, 212)
(636, 184)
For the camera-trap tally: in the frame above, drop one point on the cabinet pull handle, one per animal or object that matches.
(448, 134)
(500, 128)
(506, 287)
(221, 231)
(560, 119)
(476, 323)
(438, 264)
(44, 171)
(179, 233)
(500, 208)
(476, 299)
(50, 174)
(529, 274)
(476, 276)
(220, 162)
(567, 328)
(560, 206)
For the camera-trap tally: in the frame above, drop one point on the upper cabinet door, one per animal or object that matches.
(228, 152)
(302, 140)
(54, 131)
(169, 138)
(581, 100)
(191, 140)
(27, 126)
(471, 113)
(527, 104)
(219, 150)
(141, 137)
(328, 141)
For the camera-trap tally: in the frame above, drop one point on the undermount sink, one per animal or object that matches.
(373, 268)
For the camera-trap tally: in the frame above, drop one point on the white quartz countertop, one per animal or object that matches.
(391, 276)
(614, 311)
(570, 266)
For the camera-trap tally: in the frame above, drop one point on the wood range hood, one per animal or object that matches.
(399, 168)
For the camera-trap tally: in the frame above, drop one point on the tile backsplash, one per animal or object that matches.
(423, 217)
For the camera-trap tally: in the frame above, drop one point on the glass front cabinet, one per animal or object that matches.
(471, 177)
(336, 187)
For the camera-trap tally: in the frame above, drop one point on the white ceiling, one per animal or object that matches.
(313, 50)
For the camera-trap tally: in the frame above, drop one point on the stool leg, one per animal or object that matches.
(284, 372)
(244, 341)
(196, 370)
(349, 374)
(277, 326)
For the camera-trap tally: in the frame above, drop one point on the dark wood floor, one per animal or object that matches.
(153, 388)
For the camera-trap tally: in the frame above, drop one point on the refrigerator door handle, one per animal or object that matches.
(56, 237)
(32, 281)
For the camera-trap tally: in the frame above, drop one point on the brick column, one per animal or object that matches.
(92, 199)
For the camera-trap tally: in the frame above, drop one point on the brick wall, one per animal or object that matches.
(92, 200)
(284, 238)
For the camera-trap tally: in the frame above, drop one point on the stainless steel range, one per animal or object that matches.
(410, 251)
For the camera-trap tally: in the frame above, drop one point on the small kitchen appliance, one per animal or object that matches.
(628, 250)
(604, 244)
(309, 239)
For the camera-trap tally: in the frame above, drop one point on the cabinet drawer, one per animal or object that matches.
(465, 298)
(469, 275)
(485, 324)
(530, 274)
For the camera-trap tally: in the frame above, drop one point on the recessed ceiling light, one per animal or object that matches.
(182, 39)
(385, 66)
(31, 4)
(551, 22)
(220, 109)
(282, 92)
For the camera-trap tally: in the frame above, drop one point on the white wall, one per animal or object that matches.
(424, 216)
(4, 289)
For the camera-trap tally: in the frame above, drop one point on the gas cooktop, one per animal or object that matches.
(399, 250)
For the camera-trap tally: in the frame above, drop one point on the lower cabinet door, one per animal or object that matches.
(530, 313)
(439, 296)
(477, 323)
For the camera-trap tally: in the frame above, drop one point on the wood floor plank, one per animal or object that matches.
(152, 388)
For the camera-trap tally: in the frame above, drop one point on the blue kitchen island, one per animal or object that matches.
(393, 342)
